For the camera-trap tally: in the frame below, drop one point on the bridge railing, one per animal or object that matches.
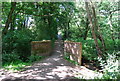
(73, 50)
(42, 48)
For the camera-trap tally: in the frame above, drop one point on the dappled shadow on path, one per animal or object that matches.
(54, 67)
(51, 68)
(17, 79)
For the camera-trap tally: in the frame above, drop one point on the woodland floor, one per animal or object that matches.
(52, 68)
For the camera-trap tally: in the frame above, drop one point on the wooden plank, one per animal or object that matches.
(69, 45)
(42, 48)
(80, 54)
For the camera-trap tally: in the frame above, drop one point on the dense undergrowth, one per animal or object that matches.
(13, 62)
(17, 49)
(109, 66)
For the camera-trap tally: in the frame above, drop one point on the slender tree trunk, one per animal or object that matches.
(9, 19)
(97, 28)
(24, 24)
(27, 22)
(50, 19)
(68, 28)
(13, 23)
(65, 31)
(49, 27)
(87, 29)
(93, 30)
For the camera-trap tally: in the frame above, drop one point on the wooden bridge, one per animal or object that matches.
(54, 67)
(72, 50)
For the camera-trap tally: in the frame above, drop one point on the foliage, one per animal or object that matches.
(89, 53)
(34, 58)
(13, 62)
(18, 66)
(110, 67)
(19, 42)
(88, 49)
(10, 58)
(43, 20)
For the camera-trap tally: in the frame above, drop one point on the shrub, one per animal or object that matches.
(33, 58)
(10, 58)
(13, 62)
(110, 67)
(19, 42)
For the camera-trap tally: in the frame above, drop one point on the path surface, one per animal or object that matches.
(53, 67)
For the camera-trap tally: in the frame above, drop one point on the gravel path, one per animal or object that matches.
(51, 68)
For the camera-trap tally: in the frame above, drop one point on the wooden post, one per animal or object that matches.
(80, 54)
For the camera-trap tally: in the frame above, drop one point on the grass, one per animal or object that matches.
(18, 65)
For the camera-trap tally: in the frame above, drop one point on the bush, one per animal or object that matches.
(10, 58)
(19, 42)
(13, 62)
(33, 58)
(110, 67)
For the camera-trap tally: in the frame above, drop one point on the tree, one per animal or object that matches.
(90, 15)
(9, 19)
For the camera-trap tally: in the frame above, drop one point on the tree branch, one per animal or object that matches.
(36, 15)
(114, 10)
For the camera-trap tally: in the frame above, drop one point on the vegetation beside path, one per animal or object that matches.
(94, 24)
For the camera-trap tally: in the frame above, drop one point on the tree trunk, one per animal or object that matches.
(68, 28)
(87, 29)
(9, 19)
(97, 28)
(13, 23)
(65, 31)
(99, 52)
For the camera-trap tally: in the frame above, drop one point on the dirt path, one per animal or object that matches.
(53, 67)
